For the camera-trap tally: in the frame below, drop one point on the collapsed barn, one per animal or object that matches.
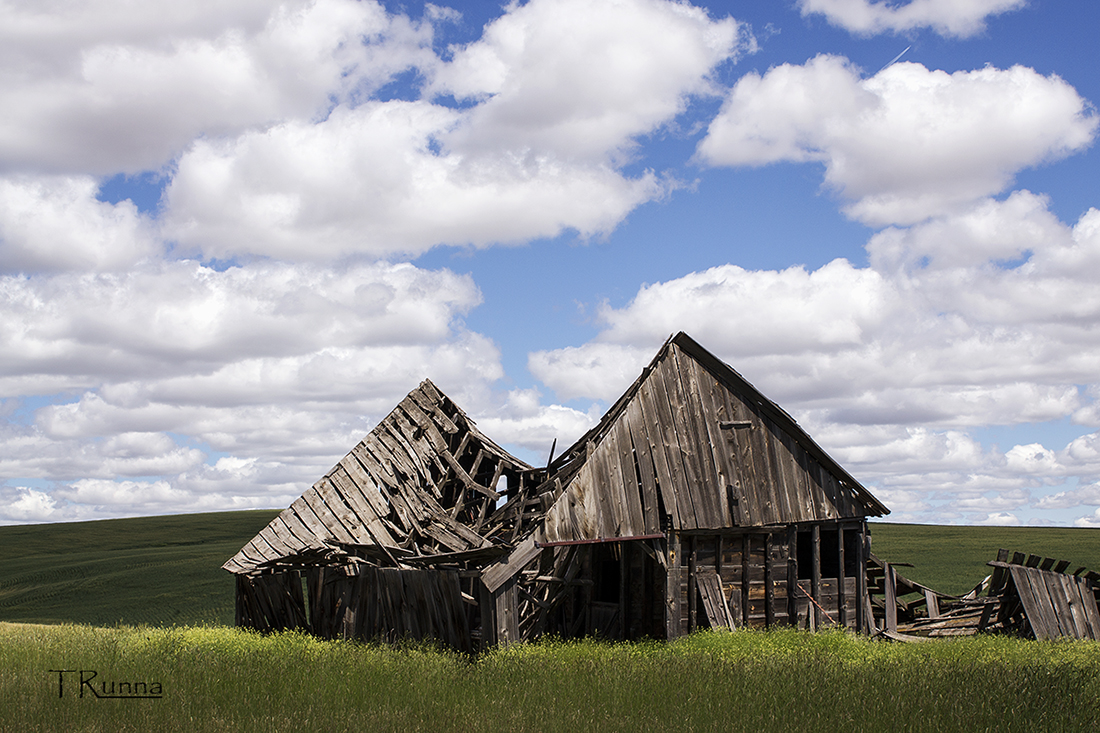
(1029, 596)
(695, 503)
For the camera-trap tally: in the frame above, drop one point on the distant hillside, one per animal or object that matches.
(953, 559)
(152, 570)
(167, 570)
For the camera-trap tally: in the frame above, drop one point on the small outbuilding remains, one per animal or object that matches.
(695, 503)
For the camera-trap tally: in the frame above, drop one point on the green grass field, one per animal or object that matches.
(150, 570)
(953, 559)
(221, 679)
(162, 571)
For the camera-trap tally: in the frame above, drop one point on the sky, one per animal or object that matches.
(234, 234)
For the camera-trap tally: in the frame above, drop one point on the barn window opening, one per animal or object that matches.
(830, 546)
(851, 553)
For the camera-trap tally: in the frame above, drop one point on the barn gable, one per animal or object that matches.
(692, 441)
(423, 482)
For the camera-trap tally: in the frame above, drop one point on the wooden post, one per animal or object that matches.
(488, 616)
(862, 623)
(891, 599)
(792, 575)
(815, 582)
(624, 568)
(693, 612)
(769, 590)
(746, 546)
(841, 609)
(672, 587)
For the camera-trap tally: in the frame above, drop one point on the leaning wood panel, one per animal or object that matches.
(663, 470)
(633, 513)
(683, 477)
(698, 437)
(647, 472)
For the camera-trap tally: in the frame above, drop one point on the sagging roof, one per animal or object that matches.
(422, 483)
(694, 440)
(690, 445)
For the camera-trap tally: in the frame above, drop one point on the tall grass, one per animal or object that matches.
(222, 679)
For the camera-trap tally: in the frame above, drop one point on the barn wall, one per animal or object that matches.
(768, 577)
(368, 603)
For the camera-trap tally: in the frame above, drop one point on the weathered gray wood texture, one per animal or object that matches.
(681, 509)
(424, 481)
(1032, 597)
(693, 441)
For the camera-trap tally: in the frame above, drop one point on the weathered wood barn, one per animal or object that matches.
(696, 502)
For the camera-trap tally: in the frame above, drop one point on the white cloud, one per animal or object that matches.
(558, 94)
(1000, 519)
(958, 18)
(369, 180)
(581, 80)
(965, 134)
(181, 319)
(108, 87)
(55, 223)
(1084, 496)
(524, 422)
(981, 318)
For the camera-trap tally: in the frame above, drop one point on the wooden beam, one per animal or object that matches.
(841, 605)
(769, 589)
(672, 587)
(815, 576)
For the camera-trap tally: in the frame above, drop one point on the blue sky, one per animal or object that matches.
(234, 235)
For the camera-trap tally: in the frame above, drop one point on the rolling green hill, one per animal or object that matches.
(149, 570)
(167, 570)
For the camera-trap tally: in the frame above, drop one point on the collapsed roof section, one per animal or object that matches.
(425, 482)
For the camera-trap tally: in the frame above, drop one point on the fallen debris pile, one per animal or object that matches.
(1032, 597)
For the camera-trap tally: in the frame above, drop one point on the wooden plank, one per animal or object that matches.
(334, 502)
(669, 442)
(841, 600)
(633, 515)
(329, 520)
(769, 584)
(746, 551)
(495, 575)
(609, 484)
(672, 587)
(657, 451)
(713, 411)
(304, 513)
(932, 603)
(695, 422)
(646, 470)
(687, 439)
(1032, 605)
(815, 574)
(714, 601)
(1088, 601)
(363, 508)
(891, 620)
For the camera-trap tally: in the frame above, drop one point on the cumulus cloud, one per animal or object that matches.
(556, 94)
(953, 18)
(579, 79)
(371, 180)
(906, 144)
(984, 317)
(108, 87)
(55, 223)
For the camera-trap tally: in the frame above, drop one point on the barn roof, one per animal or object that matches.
(424, 482)
(690, 445)
(693, 440)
